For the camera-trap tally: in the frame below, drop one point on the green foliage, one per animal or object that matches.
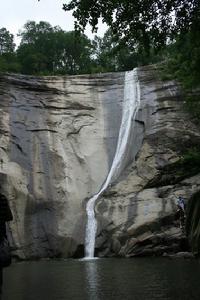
(140, 29)
(46, 50)
(50, 50)
(8, 59)
(136, 31)
(9, 63)
(6, 41)
(189, 164)
(193, 106)
(137, 22)
(184, 58)
(183, 64)
(113, 55)
(76, 53)
(31, 59)
(193, 222)
(192, 158)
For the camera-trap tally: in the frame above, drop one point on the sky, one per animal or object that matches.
(15, 13)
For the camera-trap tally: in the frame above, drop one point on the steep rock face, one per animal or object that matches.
(55, 152)
(58, 137)
(137, 214)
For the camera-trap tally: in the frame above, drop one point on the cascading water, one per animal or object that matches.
(130, 107)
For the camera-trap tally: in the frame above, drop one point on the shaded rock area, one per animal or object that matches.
(58, 137)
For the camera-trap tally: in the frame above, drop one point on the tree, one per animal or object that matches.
(33, 32)
(75, 54)
(50, 50)
(6, 41)
(145, 22)
(105, 59)
(35, 50)
(111, 56)
(31, 59)
(8, 59)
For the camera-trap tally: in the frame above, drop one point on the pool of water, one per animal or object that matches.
(103, 279)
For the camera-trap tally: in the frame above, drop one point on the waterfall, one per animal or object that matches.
(129, 110)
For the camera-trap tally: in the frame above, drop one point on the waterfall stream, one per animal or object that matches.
(130, 107)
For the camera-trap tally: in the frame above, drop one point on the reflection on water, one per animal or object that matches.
(103, 279)
(91, 278)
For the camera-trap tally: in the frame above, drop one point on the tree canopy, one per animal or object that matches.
(144, 21)
(146, 29)
(50, 50)
(6, 41)
(8, 61)
(46, 50)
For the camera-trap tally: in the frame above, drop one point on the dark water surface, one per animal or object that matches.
(104, 279)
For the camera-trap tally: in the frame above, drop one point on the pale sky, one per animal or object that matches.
(15, 13)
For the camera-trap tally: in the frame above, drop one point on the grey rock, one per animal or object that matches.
(58, 137)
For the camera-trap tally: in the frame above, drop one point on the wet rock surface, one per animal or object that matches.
(141, 205)
(58, 136)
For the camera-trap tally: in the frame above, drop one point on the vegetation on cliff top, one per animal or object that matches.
(171, 27)
(148, 23)
(139, 33)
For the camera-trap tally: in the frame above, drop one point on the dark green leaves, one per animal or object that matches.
(6, 41)
(50, 50)
(146, 21)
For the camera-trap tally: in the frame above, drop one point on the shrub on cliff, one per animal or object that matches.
(193, 223)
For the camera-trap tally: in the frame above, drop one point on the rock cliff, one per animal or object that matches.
(58, 136)
(137, 215)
